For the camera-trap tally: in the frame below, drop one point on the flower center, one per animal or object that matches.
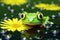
(16, 25)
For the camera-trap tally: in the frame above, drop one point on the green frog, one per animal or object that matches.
(34, 18)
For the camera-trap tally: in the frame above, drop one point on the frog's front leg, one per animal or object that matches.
(45, 20)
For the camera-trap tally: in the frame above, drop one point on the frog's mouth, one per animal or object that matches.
(31, 24)
(34, 25)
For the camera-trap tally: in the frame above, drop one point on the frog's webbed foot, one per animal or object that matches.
(47, 23)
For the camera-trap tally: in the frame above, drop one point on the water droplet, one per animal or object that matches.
(5, 14)
(9, 7)
(38, 31)
(8, 37)
(5, 18)
(54, 33)
(32, 7)
(37, 37)
(47, 27)
(27, 5)
(2, 5)
(22, 32)
(58, 14)
(57, 39)
(22, 9)
(0, 38)
(46, 32)
(53, 16)
(24, 38)
(2, 32)
(30, 38)
(11, 15)
(12, 10)
(52, 2)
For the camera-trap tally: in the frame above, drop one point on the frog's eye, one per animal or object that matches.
(40, 16)
(22, 16)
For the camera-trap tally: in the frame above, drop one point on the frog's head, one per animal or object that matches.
(31, 18)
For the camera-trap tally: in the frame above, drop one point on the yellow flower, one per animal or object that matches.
(14, 2)
(47, 6)
(13, 25)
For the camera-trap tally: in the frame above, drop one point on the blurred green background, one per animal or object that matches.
(8, 11)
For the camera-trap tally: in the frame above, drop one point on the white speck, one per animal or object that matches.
(22, 32)
(37, 12)
(50, 22)
(8, 37)
(12, 10)
(2, 32)
(5, 14)
(11, 15)
(47, 27)
(58, 14)
(9, 7)
(52, 2)
(53, 16)
(30, 38)
(5, 18)
(19, 14)
(3, 35)
(54, 32)
(22, 9)
(27, 5)
(2, 5)
(57, 26)
(56, 39)
(51, 25)
(48, 39)
(46, 32)
(37, 37)
(32, 7)
(0, 38)
(24, 38)
(38, 31)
